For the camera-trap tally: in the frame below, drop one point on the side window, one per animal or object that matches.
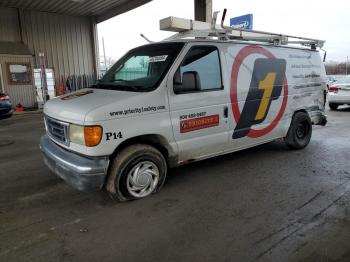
(199, 71)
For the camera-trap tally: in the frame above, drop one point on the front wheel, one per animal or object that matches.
(300, 131)
(136, 172)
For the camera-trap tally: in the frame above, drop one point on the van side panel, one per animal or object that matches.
(268, 84)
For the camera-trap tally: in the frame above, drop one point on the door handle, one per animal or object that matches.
(225, 111)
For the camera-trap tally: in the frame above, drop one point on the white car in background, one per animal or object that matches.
(339, 93)
(330, 80)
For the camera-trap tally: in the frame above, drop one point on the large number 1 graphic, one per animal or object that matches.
(265, 86)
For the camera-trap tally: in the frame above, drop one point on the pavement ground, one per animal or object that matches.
(267, 203)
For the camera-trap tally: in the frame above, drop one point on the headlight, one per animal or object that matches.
(85, 135)
(76, 134)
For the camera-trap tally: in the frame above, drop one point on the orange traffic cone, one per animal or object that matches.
(61, 87)
(19, 108)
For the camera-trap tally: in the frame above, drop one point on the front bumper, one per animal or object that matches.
(82, 173)
(5, 112)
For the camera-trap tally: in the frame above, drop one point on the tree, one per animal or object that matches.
(336, 68)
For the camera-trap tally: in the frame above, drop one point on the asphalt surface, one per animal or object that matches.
(268, 203)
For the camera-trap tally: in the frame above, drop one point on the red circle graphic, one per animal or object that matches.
(243, 53)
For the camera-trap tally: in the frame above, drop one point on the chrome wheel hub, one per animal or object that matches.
(142, 179)
(301, 130)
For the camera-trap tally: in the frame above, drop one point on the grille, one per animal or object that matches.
(57, 130)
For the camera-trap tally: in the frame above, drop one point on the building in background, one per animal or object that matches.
(16, 78)
(59, 35)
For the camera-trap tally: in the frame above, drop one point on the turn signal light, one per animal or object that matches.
(92, 135)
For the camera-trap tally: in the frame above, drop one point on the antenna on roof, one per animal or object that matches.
(144, 37)
(223, 18)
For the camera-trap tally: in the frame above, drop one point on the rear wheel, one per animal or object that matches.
(333, 106)
(300, 131)
(136, 172)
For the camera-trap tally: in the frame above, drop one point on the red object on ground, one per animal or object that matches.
(61, 87)
(19, 108)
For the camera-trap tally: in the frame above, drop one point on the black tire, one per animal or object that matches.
(123, 165)
(300, 131)
(333, 106)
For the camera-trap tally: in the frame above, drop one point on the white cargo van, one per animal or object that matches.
(202, 93)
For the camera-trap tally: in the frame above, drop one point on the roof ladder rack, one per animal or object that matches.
(186, 28)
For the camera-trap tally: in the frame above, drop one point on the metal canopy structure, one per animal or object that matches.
(203, 10)
(60, 35)
(100, 9)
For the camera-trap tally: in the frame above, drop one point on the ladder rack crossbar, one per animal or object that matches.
(196, 29)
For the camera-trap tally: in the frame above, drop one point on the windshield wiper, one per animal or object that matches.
(139, 88)
(112, 86)
(115, 80)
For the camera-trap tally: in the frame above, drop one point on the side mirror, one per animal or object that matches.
(177, 78)
(190, 83)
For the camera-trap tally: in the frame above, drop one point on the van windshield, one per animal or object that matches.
(141, 69)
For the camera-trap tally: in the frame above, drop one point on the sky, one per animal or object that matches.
(307, 18)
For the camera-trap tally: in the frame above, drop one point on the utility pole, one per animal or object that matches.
(104, 53)
(346, 65)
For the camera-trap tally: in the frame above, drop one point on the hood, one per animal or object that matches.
(92, 105)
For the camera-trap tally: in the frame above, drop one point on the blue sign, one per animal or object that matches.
(242, 22)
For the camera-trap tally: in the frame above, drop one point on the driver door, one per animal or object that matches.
(198, 103)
